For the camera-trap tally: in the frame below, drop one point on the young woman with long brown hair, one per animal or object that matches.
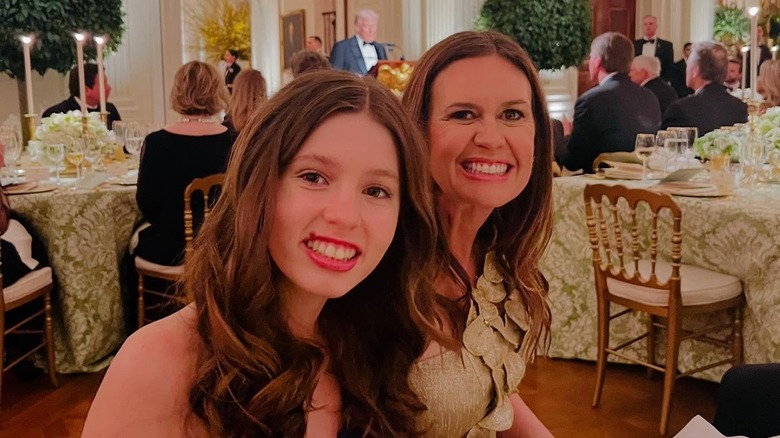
(249, 91)
(478, 99)
(310, 279)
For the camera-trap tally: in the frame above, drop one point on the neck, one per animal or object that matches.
(461, 224)
(198, 119)
(301, 310)
(649, 37)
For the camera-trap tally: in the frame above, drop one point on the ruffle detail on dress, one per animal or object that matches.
(495, 326)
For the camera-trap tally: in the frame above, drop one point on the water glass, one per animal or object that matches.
(674, 148)
(55, 153)
(12, 149)
(643, 148)
(134, 140)
(690, 133)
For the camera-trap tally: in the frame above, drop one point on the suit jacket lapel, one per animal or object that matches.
(357, 54)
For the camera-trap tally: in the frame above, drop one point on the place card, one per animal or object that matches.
(681, 175)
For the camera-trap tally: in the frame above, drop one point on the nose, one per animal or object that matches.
(342, 209)
(489, 134)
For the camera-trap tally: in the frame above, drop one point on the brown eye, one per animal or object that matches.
(377, 192)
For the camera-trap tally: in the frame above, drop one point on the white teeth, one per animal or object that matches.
(487, 169)
(330, 250)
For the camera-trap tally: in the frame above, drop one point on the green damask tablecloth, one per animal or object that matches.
(86, 235)
(737, 235)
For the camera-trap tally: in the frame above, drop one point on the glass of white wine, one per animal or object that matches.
(74, 154)
(643, 148)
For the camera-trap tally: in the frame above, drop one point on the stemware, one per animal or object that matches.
(134, 140)
(12, 149)
(643, 148)
(93, 150)
(690, 133)
(752, 154)
(55, 153)
(74, 154)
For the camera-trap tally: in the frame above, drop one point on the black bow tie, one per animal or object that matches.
(652, 41)
(366, 43)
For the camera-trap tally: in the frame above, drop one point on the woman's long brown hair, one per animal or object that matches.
(255, 378)
(524, 225)
(249, 91)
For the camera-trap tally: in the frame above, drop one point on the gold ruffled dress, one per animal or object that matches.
(467, 391)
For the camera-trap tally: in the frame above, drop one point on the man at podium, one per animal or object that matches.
(361, 52)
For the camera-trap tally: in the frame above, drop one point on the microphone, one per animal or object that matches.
(393, 47)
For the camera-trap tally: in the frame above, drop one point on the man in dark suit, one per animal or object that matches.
(651, 45)
(645, 71)
(361, 52)
(678, 73)
(91, 95)
(711, 106)
(608, 117)
(232, 69)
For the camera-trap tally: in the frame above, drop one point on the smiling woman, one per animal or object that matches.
(310, 279)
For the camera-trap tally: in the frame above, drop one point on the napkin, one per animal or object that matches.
(698, 427)
(92, 180)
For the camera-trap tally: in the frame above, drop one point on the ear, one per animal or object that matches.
(597, 62)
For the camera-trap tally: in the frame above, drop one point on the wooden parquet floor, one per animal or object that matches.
(559, 391)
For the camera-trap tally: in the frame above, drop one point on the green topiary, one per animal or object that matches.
(53, 23)
(731, 24)
(556, 33)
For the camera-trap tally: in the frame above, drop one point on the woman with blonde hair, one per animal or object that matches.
(478, 99)
(192, 147)
(769, 83)
(310, 278)
(249, 91)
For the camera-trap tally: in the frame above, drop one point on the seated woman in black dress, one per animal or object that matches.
(195, 146)
(21, 250)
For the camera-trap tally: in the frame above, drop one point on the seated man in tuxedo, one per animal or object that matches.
(678, 73)
(711, 106)
(733, 80)
(91, 94)
(651, 45)
(608, 117)
(361, 52)
(645, 71)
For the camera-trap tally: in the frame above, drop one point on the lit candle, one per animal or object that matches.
(744, 68)
(101, 80)
(754, 54)
(26, 41)
(80, 65)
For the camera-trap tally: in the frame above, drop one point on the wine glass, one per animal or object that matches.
(12, 148)
(643, 148)
(56, 154)
(119, 128)
(93, 150)
(690, 133)
(74, 154)
(134, 140)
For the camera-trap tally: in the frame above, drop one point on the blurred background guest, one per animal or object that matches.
(91, 94)
(249, 91)
(711, 106)
(232, 69)
(678, 73)
(769, 83)
(646, 71)
(305, 60)
(733, 80)
(195, 146)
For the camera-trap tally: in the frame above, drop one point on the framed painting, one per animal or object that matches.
(293, 35)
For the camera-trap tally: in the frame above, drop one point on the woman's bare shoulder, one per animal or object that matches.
(147, 385)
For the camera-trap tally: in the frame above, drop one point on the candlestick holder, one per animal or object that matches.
(28, 129)
(83, 124)
(104, 117)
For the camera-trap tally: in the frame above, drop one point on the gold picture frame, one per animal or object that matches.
(292, 35)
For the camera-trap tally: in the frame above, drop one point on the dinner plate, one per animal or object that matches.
(691, 189)
(629, 174)
(31, 187)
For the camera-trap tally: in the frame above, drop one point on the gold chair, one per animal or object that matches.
(36, 284)
(171, 274)
(635, 278)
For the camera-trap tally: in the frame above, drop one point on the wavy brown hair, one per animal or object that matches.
(255, 377)
(249, 91)
(524, 225)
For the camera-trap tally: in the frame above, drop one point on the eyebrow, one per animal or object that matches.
(325, 161)
(471, 105)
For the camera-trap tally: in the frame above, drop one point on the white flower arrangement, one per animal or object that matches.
(768, 125)
(715, 143)
(66, 127)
